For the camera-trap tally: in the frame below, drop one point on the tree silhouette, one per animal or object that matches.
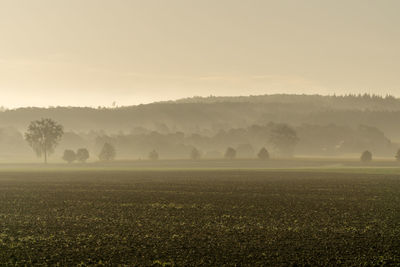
(283, 138)
(230, 153)
(366, 156)
(82, 155)
(43, 136)
(397, 156)
(195, 154)
(107, 153)
(153, 155)
(263, 154)
(69, 156)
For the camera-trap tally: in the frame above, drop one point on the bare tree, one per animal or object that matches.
(43, 136)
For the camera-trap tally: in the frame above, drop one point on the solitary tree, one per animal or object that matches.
(283, 138)
(230, 153)
(366, 156)
(69, 156)
(43, 136)
(263, 154)
(195, 154)
(82, 155)
(107, 153)
(153, 155)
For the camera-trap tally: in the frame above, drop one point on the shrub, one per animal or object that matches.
(69, 156)
(153, 155)
(263, 154)
(230, 153)
(366, 156)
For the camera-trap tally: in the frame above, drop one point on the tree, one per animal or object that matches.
(107, 153)
(82, 155)
(69, 156)
(366, 156)
(43, 136)
(230, 153)
(263, 154)
(283, 138)
(397, 156)
(195, 154)
(153, 155)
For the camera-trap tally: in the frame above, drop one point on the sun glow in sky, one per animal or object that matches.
(95, 52)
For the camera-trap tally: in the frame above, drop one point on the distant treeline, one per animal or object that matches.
(349, 101)
(208, 116)
(281, 140)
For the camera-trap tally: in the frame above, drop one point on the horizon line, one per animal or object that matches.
(176, 100)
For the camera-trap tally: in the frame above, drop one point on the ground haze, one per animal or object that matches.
(199, 133)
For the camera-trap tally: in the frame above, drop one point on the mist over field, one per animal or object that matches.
(199, 133)
(329, 126)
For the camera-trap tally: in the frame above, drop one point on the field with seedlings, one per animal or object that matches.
(199, 217)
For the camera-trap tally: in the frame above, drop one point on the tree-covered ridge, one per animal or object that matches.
(208, 116)
(350, 101)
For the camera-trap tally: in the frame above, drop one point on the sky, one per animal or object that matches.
(96, 52)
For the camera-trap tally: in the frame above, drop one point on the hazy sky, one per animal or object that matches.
(94, 52)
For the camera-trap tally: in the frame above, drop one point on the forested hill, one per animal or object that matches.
(359, 102)
(212, 114)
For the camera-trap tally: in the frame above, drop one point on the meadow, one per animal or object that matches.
(202, 217)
